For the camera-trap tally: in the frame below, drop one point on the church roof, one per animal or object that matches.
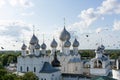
(47, 68)
(74, 60)
(102, 78)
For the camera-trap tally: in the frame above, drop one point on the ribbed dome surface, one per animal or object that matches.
(34, 40)
(37, 46)
(24, 47)
(75, 43)
(54, 44)
(43, 46)
(67, 43)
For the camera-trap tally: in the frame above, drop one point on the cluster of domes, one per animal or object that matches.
(34, 41)
(65, 35)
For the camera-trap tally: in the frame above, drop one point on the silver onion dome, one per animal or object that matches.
(67, 43)
(43, 46)
(75, 43)
(24, 47)
(65, 35)
(68, 36)
(34, 40)
(54, 44)
(102, 47)
(37, 46)
(98, 48)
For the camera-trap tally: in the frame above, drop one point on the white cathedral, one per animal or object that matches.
(66, 65)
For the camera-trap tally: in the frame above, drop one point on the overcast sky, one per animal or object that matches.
(92, 22)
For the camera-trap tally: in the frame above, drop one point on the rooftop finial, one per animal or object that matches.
(43, 37)
(33, 29)
(23, 42)
(64, 21)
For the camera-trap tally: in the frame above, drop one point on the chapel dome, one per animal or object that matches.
(75, 43)
(43, 46)
(67, 43)
(34, 40)
(24, 47)
(54, 44)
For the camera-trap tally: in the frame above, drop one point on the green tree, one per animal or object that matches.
(30, 76)
(2, 73)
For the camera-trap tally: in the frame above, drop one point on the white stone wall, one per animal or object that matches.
(99, 71)
(31, 63)
(75, 68)
(75, 50)
(50, 76)
(116, 74)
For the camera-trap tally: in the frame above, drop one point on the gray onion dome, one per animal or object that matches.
(102, 47)
(37, 46)
(75, 43)
(34, 40)
(43, 46)
(65, 35)
(24, 47)
(98, 48)
(68, 36)
(67, 43)
(54, 44)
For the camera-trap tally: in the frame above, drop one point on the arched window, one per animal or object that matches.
(27, 69)
(97, 64)
(21, 68)
(34, 69)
